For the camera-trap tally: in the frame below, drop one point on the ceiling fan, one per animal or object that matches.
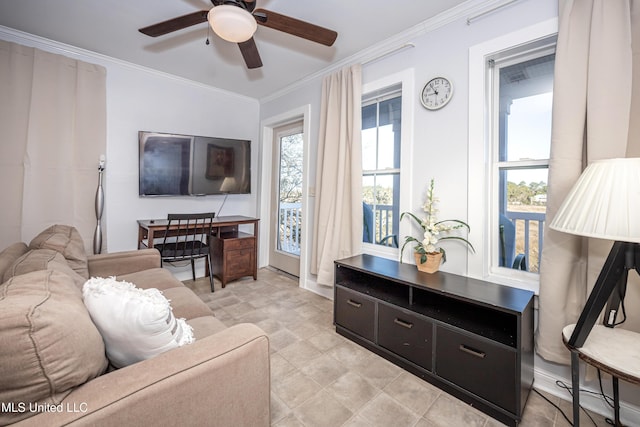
(236, 21)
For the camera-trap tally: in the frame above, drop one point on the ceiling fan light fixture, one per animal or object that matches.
(232, 23)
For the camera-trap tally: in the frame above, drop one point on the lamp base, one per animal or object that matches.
(609, 289)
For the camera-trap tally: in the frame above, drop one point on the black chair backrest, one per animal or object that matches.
(186, 234)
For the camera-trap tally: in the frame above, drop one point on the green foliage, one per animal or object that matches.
(291, 169)
(523, 193)
(383, 195)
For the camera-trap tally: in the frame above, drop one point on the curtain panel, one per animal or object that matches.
(53, 117)
(596, 90)
(337, 229)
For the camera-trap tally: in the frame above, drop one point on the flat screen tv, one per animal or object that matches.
(187, 165)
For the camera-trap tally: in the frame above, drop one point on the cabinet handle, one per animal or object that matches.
(403, 323)
(471, 351)
(354, 304)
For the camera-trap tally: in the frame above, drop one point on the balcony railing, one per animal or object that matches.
(529, 231)
(379, 226)
(529, 236)
(289, 227)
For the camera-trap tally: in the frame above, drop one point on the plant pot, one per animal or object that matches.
(431, 265)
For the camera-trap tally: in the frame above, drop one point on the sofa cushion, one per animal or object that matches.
(10, 254)
(48, 344)
(204, 326)
(136, 324)
(66, 240)
(42, 259)
(186, 304)
(183, 301)
(159, 278)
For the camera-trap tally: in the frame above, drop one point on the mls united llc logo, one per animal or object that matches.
(21, 407)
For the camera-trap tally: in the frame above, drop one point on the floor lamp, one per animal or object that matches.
(605, 204)
(99, 202)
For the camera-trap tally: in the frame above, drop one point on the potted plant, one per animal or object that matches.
(428, 254)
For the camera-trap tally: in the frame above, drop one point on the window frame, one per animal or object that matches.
(483, 185)
(405, 81)
(376, 99)
(520, 54)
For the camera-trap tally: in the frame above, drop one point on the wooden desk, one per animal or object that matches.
(234, 254)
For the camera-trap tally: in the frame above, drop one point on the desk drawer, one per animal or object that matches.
(406, 334)
(485, 369)
(240, 262)
(246, 242)
(355, 312)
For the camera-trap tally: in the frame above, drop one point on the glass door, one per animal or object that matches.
(286, 213)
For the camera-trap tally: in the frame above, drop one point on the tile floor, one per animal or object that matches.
(319, 378)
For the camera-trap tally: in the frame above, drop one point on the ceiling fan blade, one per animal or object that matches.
(175, 24)
(250, 54)
(295, 27)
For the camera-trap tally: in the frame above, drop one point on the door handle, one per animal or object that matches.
(354, 303)
(403, 323)
(471, 351)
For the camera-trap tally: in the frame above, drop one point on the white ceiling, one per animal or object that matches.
(110, 27)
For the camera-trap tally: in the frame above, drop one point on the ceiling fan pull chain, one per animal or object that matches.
(208, 32)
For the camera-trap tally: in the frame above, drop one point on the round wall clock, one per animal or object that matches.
(436, 93)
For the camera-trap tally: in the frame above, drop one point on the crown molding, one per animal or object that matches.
(462, 11)
(31, 40)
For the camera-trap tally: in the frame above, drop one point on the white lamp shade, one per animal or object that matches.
(229, 184)
(232, 23)
(604, 203)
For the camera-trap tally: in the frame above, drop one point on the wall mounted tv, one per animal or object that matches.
(186, 165)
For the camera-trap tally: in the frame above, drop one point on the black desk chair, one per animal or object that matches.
(187, 238)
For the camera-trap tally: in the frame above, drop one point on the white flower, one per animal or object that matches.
(434, 230)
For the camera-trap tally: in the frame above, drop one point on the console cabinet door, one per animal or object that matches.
(406, 334)
(355, 312)
(484, 368)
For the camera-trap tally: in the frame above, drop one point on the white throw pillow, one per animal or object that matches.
(135, 324)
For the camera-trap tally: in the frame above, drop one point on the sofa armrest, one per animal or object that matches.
(220, 380)
(125, 262)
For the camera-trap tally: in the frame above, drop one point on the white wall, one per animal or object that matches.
(143, 99)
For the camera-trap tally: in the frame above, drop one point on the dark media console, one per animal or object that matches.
(473, 339)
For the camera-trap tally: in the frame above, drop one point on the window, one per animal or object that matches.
(521, 140)
(510, 99)
(381, 157)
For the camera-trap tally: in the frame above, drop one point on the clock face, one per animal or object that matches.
(436, 93)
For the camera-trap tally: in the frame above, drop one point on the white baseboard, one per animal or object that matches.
(546, 381)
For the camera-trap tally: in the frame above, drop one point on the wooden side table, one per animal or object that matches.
(234, 253)
(615, 351)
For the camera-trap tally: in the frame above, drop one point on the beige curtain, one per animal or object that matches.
(53, 121)
(337, 229)
(594, 82)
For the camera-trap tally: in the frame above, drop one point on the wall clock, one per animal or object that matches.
(436, 93)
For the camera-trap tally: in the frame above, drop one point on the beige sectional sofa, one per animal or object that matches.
(53, 364)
